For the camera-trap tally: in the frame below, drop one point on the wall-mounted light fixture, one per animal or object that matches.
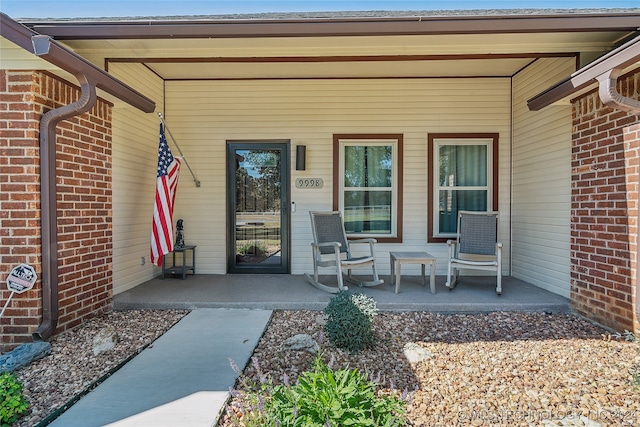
(301, 157)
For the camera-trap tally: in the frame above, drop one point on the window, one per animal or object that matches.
(368, 185)
(463, 176)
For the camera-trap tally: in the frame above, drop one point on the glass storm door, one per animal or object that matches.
(258, 207)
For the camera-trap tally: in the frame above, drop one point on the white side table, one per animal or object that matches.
(422, 258)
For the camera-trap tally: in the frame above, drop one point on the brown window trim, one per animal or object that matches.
(336, 176)
(431, 137)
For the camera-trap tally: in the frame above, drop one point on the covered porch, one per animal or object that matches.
(419, 86)
(293, 292)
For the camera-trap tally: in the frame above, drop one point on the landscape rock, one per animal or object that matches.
(301, 342)
(414, 353)
(23, 355)
(321, 319)
(105, 340)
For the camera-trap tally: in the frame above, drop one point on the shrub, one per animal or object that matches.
(322, 398)
(12, 401)
(350, 321)
(253, 247)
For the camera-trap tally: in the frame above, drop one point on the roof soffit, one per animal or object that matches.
(350, 46)
(307, 57)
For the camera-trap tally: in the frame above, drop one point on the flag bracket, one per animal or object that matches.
(196, 180)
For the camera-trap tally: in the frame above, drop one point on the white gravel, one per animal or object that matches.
(497, 369)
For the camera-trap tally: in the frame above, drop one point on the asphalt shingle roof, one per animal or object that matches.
(348, 14)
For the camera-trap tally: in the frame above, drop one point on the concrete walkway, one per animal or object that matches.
(183, 379)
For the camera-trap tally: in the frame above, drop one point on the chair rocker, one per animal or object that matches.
(476, 246)
(331, 248)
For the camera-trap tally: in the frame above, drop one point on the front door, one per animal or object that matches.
(258, 206)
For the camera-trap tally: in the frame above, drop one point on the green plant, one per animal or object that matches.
(12, 401)
(350, 321)
(322, 397)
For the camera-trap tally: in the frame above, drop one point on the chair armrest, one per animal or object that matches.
(317, 252)
(326, 244)
(363, 241)
(370, 242)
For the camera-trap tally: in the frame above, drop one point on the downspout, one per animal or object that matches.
(48, 203)
(611, 98)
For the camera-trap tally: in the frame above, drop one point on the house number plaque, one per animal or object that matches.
(309, 183)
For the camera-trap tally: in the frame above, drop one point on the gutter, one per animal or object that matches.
(334, 25)
(610, 96)
(90, 77)
(618, 59)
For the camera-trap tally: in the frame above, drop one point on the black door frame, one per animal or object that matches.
(284, 147)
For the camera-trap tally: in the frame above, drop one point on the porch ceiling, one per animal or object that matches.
(405, 56)
(376, 44)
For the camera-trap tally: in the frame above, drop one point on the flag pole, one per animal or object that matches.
(178, 147)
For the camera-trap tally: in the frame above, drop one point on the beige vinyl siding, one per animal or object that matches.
(13, 57)
(541, 204)
(135, 156)
(203, 115)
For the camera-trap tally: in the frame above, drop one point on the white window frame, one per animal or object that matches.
(395, 185)
(437, 144)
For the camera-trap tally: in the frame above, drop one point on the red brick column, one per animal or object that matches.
(604, 208)
(631, 138)
(19, 203)
(84, 202)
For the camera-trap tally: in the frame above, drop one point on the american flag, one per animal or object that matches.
(166, 185)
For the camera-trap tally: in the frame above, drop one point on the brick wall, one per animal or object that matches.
(84, 203)
(604, 208)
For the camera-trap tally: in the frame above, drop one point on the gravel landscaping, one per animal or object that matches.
(509, 369)
(506, 369)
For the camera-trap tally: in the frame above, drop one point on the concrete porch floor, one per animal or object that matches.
(293, 292)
